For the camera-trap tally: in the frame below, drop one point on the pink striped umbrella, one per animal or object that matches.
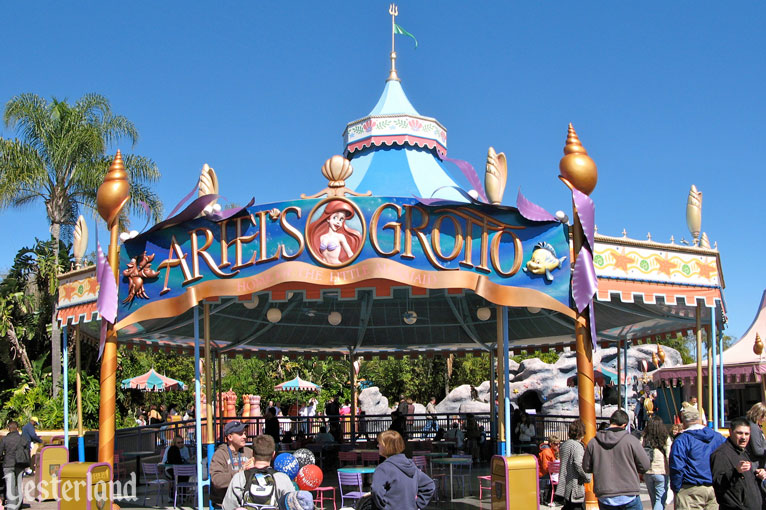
(297, 384)
(152, 381)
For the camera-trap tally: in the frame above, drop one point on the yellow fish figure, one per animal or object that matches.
(544, 261)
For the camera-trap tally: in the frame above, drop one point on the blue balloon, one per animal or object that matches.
(287, 463)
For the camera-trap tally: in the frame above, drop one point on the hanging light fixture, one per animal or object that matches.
(274, 315)
(533, 309)
(334, 318)
(484, 313)
(410, 317)
(251, 304)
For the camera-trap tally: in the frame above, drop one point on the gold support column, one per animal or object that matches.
(112, 196)
(107, 400)
(699, 358)
(578, 171)
(209, 426)
(500, 381)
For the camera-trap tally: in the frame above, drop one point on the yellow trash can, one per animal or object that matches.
(515, 482)
(85, 486)
(48, 463)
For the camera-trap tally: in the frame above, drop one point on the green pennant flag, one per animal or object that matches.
(400, 31)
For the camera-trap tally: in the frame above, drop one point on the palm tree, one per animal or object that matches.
(60, 159)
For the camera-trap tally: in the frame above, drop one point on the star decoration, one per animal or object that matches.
(622, 261)
(665, 265)
(68, 292)
(706, 270)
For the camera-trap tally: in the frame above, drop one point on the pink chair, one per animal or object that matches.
(553, 470)
(320, 497)
(347, 458)
(488, 487)
(373, 457)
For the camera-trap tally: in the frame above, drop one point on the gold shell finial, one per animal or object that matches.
(80, 243)
(576, 166)
(694, 213)
(113, 192)
(655, 359)
(661, 354)
(758, 345)
(495, 176)
(336, 170)
(208, 182)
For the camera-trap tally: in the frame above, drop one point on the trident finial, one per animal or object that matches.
(393, 10)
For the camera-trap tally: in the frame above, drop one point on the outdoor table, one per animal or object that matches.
(452, 461)
(357, 469)
(436, 454)
(138, 456)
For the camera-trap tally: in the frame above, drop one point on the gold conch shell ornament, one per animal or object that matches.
(495, 176)
(336, 170)
(758, 345)
(704, 241)
(576, 167)
(113, 193)
(208, 182)
(694, 213)
(80, 243)
(655, 359)
(660, 354)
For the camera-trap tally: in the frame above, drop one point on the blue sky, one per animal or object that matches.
(662, 94)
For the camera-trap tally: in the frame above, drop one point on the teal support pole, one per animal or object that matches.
(66, 384)
(507, 383)
(714, 347)
(721, 380)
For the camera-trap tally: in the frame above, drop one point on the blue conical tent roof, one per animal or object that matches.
(395, 151)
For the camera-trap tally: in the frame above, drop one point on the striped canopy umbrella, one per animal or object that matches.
(297, 384)
(152, 381)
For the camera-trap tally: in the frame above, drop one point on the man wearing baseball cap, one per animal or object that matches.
(29, 433)
(229, 459)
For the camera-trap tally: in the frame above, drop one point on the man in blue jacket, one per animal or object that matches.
(690, 476)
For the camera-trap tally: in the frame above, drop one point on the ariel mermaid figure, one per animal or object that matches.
(335, 240)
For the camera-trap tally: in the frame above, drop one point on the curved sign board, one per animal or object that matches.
(337, 241)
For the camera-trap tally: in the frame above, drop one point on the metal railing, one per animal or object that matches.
(420, 426)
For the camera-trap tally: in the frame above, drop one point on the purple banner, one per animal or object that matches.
(532, 211)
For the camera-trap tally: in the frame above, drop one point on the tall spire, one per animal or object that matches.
(393, 10)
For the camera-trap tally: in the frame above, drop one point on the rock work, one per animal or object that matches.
(540, 386)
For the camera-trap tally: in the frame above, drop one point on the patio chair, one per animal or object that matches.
(462, 472)
(120, 468)
(347, 458)
(354, 480)
(318, 451)
(553, 470)
(488, 487)
(185, 489)
(320, 497)
(422, 463)
(152, 478)
(373, 457)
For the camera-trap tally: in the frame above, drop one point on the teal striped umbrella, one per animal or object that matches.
(152, 381)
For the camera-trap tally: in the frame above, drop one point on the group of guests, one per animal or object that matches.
(162, 413)
(239, 474)
(16, 459)
(705, 470)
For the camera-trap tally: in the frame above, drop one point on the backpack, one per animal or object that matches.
(260, 488)
(649, 453)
